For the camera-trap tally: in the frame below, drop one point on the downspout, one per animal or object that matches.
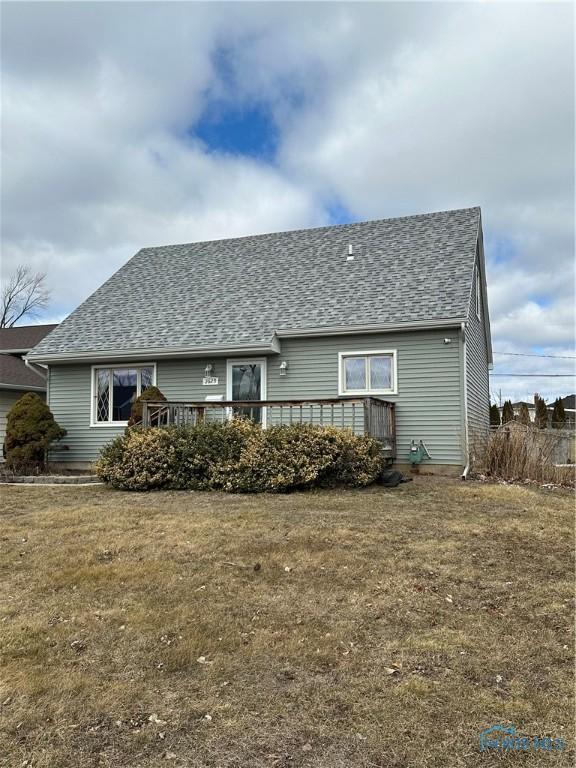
(465, 390)
(37, 369)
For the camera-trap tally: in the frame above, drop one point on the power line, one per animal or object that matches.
(537, 375)
(527, 354)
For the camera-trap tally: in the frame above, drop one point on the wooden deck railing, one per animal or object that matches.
(367, 415)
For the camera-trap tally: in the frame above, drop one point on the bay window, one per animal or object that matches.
(114, 390)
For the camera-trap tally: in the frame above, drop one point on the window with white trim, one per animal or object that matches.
(115, 389)
(367, 373)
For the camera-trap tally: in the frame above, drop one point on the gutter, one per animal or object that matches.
(153, 352)
(22, 387)
(450, 322)
(465, 392)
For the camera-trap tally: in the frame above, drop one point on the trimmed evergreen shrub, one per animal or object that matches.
(524, 415)
(507, 412)
(541, 416)
(494, 416)
(152, 395)
(558, 414)
(30, 428)
(240, 457)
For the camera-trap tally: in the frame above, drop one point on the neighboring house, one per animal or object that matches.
(567, 401)
(516, 408)
(16, 377)
(393, 309)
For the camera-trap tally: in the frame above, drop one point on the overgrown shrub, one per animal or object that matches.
(518, 452)
(240, 457)
(151, 395)
(30, 429)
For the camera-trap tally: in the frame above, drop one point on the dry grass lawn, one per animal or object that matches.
(336, 629)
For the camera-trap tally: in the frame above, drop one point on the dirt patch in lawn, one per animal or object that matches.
(361, 628)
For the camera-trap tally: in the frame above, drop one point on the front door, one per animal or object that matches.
(246, 380)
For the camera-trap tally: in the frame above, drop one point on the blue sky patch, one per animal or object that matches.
(338, 213)
(499, 249)
(238, 130)
(542, 301)
(247, 127)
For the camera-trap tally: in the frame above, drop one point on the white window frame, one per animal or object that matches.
(263, 380)
(342, 391)
(94, 390)
(478, 294)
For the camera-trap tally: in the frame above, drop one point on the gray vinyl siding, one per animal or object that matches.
(70, 401)
(428, 403)
(69, 397)
(477, 376)
(429, 383)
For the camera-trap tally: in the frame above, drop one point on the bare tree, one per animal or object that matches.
(23, 295)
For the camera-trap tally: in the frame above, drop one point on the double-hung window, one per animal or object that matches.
(367, 373)
(114, 390)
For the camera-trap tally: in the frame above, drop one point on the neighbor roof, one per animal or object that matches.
(15, 374)
(229, 294)
(21, 338)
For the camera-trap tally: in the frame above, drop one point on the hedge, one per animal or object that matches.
(239, 457)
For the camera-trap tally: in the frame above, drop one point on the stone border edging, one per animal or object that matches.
(52, 480)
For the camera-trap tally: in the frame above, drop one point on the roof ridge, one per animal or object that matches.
(311, 229)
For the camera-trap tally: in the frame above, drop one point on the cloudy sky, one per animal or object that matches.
(134, 124)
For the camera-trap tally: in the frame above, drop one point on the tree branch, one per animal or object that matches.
(24, 295)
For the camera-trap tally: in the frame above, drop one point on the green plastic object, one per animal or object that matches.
(418, 452)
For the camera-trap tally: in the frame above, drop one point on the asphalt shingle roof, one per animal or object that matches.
(15, 373)
(230, 292)
(23, 337)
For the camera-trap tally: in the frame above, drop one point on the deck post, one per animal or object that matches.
(367, 417)
(145, 415)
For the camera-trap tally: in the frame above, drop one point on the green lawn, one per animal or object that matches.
(336, 629)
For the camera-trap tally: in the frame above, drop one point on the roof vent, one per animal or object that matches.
(350, 256)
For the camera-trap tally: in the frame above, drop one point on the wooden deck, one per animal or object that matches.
(367, 415)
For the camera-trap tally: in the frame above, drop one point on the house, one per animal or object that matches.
(567, 402)
(16, 377)
(517, 406)
(311, 323)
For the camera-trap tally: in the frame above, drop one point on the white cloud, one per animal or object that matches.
(96, 160)
(389, 108)
(539, 327)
